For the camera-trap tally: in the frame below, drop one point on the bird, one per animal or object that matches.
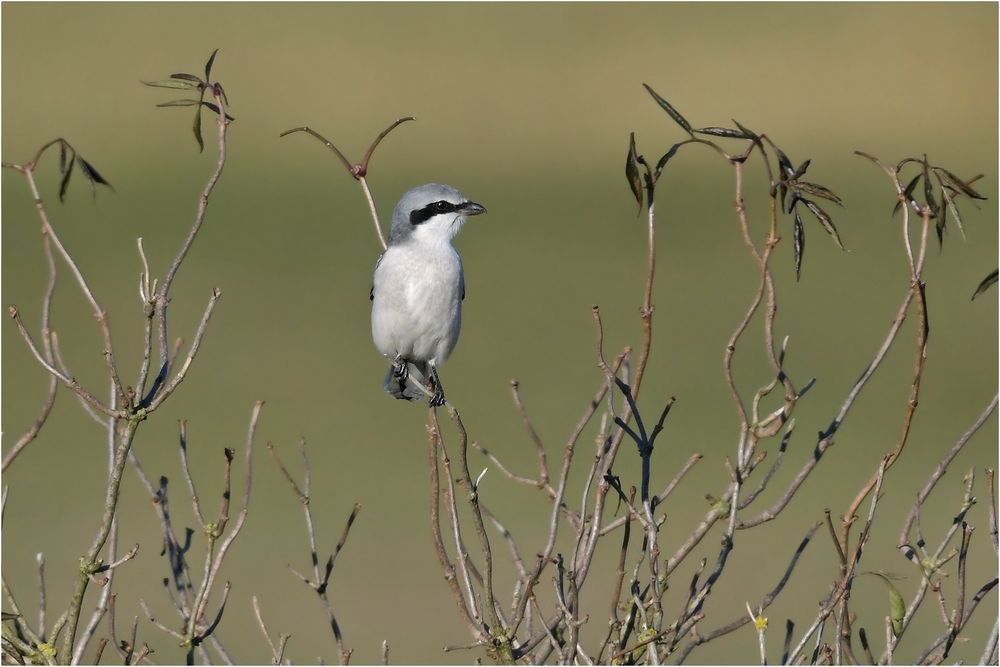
(418, 288)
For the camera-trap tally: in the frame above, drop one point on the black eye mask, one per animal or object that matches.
(422, 215)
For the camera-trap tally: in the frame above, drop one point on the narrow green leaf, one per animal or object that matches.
(197, 122)
(956, 183)
(722, 132)
(817, 191)
(92, 175)
(671, 111)
(186, 77)
(824, 220)
(222, 91)
(215, 108)
(897, 608)
(908, 192)
(64, 181)
(801, 171)
(179, 103)
(783, 161)
(749, 133)
(796, 197)
(869, 156)
(176, 84)
(907, 160)
(949, 201)
(987, 282)
(929, 195)
(799, 244)
(62, 157)
(632, 170)
(197, 129)
(208, 66)
(662, 162)
(942, 221)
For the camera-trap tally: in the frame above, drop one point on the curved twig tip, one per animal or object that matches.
(362, 168)
(304, 128)
(329, 144)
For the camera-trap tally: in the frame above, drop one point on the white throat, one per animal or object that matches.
(440, 229)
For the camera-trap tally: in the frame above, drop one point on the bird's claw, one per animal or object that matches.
(437, 397)
(400, 369)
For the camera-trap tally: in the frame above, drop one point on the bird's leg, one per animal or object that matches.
(400, 369)
(438, 396)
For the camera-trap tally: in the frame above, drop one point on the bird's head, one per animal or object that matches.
(432, 212)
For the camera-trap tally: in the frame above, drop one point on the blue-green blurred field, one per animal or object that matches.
(527, 108)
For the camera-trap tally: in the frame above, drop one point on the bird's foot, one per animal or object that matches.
(400, 369)
(437, 396)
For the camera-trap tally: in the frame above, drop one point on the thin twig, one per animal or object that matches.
(186, 470)
(358, 171)
(99, 313)
(198, 609)
(68, 381)
(842, 587)
(500, 642)
(50, 400)
(434, 444)
(991, 490)
(543, 469)
(983, 591)
(163, 294)
(192, 352)
(938, 473)
(112, 550)
(764, 603)
(320, 582)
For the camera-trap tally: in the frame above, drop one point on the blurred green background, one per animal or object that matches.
(526, 108)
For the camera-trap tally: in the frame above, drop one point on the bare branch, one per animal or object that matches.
(277, 652)
(358, 171)
(99, 313)
(320, 582)
(227, 542)
(543, 468)
(764, 603)
(434, 443)
(50, 400)
(938, 473)
(68, 381)
(195, 346)
(149, 615)
(924, 658)
(163, 294)
(991, 490)
(117, 563)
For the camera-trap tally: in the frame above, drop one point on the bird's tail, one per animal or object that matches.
(418, 373)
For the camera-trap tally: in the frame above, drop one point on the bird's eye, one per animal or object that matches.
(442, 205)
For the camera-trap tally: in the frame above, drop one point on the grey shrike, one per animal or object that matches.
(418, 288)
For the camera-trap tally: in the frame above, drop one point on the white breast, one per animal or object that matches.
(417, 301)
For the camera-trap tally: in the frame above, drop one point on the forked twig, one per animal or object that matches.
(319, 582)
(360, 170)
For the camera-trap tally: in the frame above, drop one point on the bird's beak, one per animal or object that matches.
(472, 208)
